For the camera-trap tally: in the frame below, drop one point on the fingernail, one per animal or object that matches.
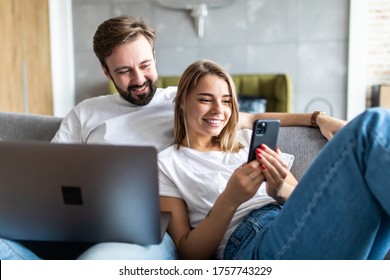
(262, 146)
(259, 156)
(263, 166)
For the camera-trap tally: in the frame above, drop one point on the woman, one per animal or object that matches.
(222, 208)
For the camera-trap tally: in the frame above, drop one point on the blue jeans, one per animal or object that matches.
(11, 250)
(340, 208)
(166, 250)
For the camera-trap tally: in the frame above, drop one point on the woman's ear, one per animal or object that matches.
(182, 105)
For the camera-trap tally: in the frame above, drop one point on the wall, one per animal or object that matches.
(308, 39)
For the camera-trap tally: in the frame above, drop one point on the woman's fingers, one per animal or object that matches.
(271, 164)
(244, 182)
(250, 172)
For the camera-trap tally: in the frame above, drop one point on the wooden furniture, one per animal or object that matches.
(25, 72)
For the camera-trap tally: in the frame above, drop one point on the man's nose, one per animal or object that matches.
(138, 77)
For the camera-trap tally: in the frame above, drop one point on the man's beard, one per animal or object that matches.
(138, 99)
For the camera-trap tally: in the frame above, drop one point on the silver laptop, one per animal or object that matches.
(80, 193)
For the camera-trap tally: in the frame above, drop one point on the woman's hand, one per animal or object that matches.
(329, 126)
(280, 181)
(243, 184)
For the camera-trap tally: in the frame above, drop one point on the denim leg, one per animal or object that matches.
(379, 248)
(253, 224)
(11, 250)
(166, 250)
(341, 207)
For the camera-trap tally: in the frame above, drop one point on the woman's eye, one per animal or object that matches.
(205, 100)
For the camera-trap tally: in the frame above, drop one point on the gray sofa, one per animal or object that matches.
(303, 142)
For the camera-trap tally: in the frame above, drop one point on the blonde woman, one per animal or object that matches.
(225, 208)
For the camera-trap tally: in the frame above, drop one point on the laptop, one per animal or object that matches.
(80, 193)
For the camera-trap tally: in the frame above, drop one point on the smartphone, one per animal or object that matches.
(264, 132)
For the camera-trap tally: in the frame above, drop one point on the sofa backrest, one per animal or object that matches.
(277, 89)
(302, 142)
(27, 127)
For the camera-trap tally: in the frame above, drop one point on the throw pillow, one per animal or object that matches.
(252, 104)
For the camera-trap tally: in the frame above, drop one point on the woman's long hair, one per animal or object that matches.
(227, 139)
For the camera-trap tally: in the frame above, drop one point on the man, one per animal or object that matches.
(140, 114)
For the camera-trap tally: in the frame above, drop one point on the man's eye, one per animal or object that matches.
(122, 72)
(145, 66)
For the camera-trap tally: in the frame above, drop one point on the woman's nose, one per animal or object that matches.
(217, 108)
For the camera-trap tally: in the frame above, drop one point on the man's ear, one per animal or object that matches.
(106, 72)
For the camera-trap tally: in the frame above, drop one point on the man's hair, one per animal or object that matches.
(119, 30)
(227, 139)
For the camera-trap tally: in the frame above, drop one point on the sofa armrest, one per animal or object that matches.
(27, 127)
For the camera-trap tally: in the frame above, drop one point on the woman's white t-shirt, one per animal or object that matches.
(199, 177)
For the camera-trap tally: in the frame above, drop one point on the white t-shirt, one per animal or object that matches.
(199, 177)
(110, 119)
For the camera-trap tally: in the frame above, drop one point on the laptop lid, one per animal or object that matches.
(80, 193)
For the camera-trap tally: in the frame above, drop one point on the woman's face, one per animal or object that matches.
(208, 108)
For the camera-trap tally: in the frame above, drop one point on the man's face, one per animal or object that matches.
(132, 68)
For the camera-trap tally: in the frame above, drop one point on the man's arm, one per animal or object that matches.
(69, 130)
(329, 126)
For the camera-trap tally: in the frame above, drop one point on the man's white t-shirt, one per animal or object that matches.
(199, 177)
(110, 119)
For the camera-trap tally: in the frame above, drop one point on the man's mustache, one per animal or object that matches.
(135, 87)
